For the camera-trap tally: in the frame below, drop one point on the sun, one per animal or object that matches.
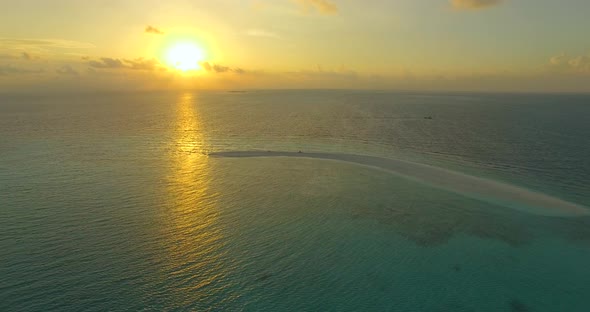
(184, 56)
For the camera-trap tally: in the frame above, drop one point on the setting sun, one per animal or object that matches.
(295, 155)
(184, 56)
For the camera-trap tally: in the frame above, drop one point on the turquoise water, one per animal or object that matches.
(111, 202)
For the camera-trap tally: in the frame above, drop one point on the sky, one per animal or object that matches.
(423, 45)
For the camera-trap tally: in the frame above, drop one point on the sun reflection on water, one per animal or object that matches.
(194, 239)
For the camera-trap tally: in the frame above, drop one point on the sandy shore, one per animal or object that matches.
(479, 188)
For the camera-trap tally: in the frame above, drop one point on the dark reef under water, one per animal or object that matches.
(431, 223)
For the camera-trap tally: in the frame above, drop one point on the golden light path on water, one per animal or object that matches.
(193, 233)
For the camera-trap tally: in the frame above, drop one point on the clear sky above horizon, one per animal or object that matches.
(450, 45)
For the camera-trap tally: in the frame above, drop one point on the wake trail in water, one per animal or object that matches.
(507, 195)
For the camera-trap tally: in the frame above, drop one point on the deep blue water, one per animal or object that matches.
(111, 202)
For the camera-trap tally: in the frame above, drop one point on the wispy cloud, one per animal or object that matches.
(136, 64)
(577, 64)
(262, 33)
(580, 62)
(558, 59)
(29, 56)
(9, 69)
(107, 62)
(45, 43)
(67, 70)
(321, 6)
(319, 72)
(216, 68)
(474, 4)
(144, 64)
(153, 30)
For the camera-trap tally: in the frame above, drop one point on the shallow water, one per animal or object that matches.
(110, 202)
(466, 185)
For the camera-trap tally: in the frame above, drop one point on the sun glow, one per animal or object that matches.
(184, 56)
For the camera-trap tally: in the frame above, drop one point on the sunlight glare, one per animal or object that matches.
(184, 56)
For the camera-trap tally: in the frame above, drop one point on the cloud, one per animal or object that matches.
(575, 64)
(107, 62)
(262, 33)
(319, 72)
(136, 64)
(558, 59)
(44, 43)
(28, 56)
(9, 69)
(143, 64)
(67, 70)
(216, 68)
(322, 6)
(474, 4)
(581, 63)
(153, 30)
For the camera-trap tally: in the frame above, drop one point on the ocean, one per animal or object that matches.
(134, 201)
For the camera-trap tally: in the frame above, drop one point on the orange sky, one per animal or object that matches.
(450, 45)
